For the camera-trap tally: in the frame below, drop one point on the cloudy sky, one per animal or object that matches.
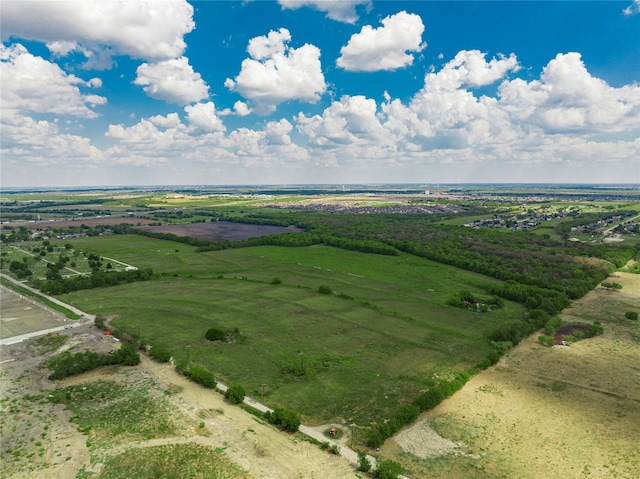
(170, 92)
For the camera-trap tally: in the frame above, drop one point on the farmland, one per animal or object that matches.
(321, 355)
(356, 317)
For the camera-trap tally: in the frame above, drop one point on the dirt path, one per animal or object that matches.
(258, 447)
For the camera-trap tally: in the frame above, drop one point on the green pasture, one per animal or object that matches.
(357, 354)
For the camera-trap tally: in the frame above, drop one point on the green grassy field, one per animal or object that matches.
(356, 354)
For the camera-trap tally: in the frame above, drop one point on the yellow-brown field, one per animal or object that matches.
(547, 412)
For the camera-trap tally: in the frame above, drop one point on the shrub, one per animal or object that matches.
(215, 334)
(546, 340)
(364, 464)
(388, 470)
(594, 329)
(287, 420)
(276, 280)
(202, 376)
(611, 285)
(325, 289)
(552, 326)
(160, 353)
(632, 315)
(127, 355)
(375, 437)
(235, 394)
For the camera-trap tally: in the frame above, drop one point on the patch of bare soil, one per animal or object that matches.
(39, 441)
(422, 441)
(568, 330)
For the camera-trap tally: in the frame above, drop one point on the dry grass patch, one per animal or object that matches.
(544, 412)
(172, 461)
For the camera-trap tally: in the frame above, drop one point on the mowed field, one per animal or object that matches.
(547, 412)
(355, 355)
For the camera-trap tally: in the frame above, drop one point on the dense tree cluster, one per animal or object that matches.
(20, 269)
(97, 279)
(68, 364)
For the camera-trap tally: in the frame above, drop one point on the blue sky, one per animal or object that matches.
(104, 93)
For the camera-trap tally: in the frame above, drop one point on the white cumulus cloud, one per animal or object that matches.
(277, 73)
(150, 30)
(31, 83)
(386, 47)
(568, 98)
(340, 10)
(173, 81)
(351, 120)
(203, 116)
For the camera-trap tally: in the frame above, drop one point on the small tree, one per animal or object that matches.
(235, 394)
(632, 315)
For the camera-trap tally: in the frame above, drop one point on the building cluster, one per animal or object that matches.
(519, 221)
(401, 208)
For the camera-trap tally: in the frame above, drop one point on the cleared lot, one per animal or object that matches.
(20, 315)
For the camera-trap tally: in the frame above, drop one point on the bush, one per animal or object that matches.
(546, 340)
(202, 376)
(375, 437)
(160, 353)
(364, 464)
(595, 329)
(287, 420)
(276, 281)
(552, 326)
(215, 334)
(325, 289)
(388, 470)
(632, 315)
(611, 285)
(127, 355)
(235, 394)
